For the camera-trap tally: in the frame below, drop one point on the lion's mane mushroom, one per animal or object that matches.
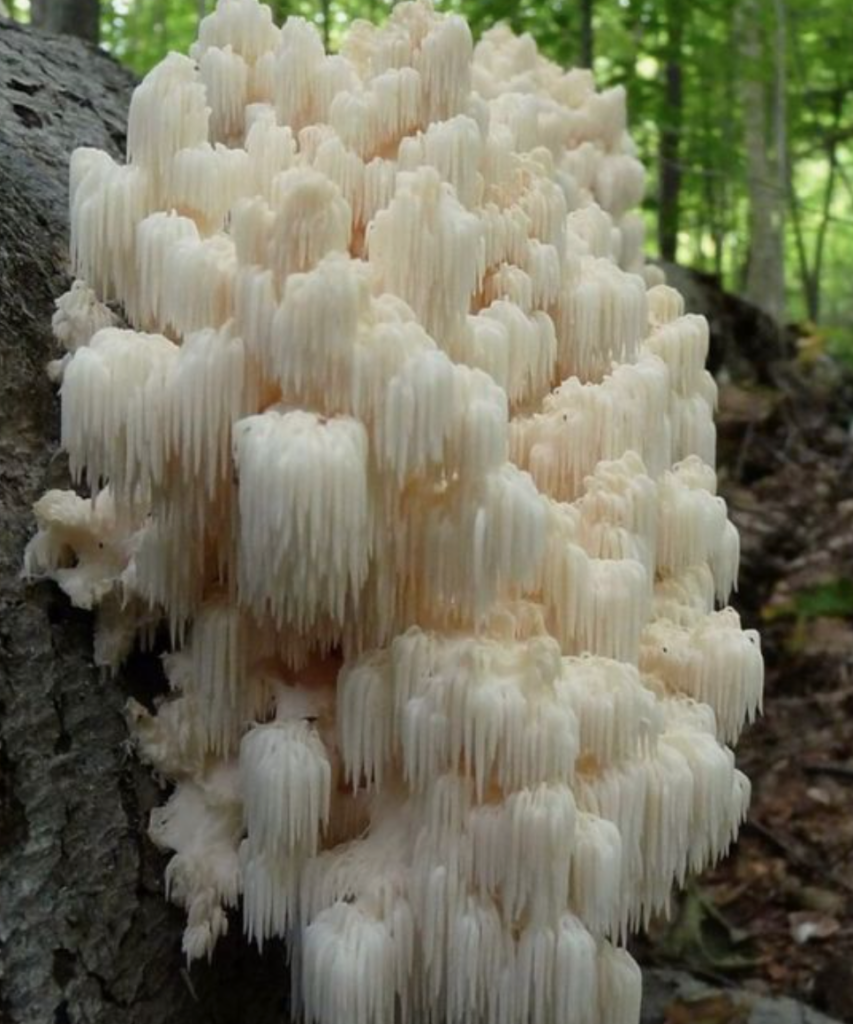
(413, 454)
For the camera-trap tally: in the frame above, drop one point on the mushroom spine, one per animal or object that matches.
(413, 453)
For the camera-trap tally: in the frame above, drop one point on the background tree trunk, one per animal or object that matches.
(669, 213)
(587, 54)
(763, 98)
(67, 17)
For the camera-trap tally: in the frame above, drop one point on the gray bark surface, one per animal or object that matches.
(86, 935)
(765, 145)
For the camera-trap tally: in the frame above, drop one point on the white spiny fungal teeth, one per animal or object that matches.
(413, 453)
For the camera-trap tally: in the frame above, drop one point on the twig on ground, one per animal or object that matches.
(789, 846)
(843, 771)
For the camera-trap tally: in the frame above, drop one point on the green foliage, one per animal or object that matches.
(832, 599)
(635, 42)
(839, 343)
(701, 937)
(140, 32)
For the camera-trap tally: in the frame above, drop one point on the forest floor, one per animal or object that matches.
(777, 915)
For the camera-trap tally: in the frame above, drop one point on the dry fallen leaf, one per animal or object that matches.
(716, 1009)
(806, 925)
(777, 971)
(820, 796)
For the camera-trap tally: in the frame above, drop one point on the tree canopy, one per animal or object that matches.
(742, 111)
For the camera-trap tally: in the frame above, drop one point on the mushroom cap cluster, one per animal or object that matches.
(391, 423)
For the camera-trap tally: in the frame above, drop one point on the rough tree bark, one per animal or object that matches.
(86, 935)
(85, 932)
(764, 118)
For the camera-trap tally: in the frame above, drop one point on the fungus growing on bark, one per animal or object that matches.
(413, 453)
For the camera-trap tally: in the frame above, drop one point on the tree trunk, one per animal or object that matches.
(764, 120)
(587, 35)
(86, 935)
(670, 137)
(67, 17)
(326, 8)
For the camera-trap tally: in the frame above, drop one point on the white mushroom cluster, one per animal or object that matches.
(413, 454)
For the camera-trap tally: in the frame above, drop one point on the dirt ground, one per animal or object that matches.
(777, 915)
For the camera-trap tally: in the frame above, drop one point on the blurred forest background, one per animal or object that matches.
(742, 111)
